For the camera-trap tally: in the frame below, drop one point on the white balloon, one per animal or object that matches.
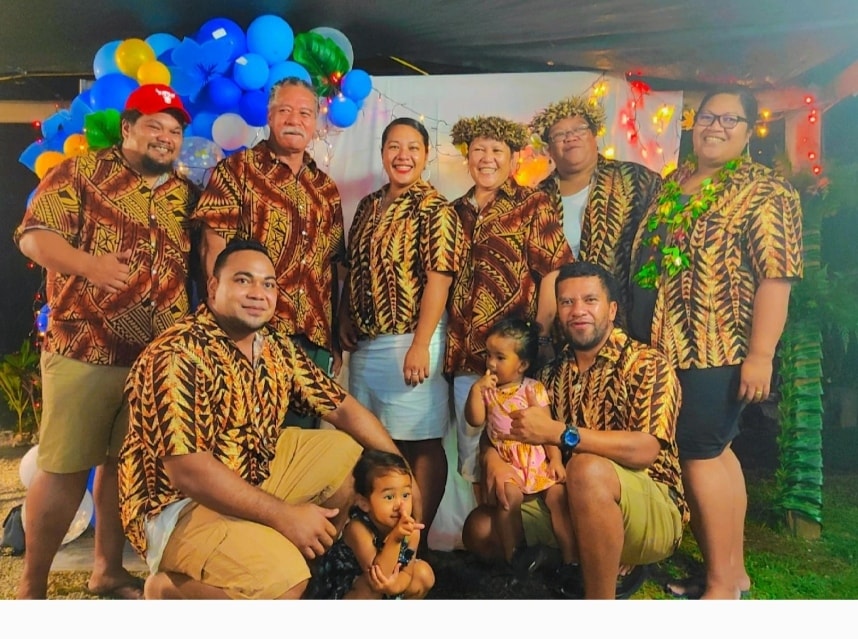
(28, 466)
(80, 522)
(229, 131)
(339, 39)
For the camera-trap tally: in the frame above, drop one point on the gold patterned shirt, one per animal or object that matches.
(630, 387)
(390, 252)
(100, 205)
(620, 195)
(191, 391)
(506, 250)
(299, 219)
(752, 231)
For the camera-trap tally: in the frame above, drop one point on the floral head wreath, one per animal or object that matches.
(587, 108)
(493, 127)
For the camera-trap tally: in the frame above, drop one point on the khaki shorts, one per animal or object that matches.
(651, 520)
(84, 413)
(248, 560)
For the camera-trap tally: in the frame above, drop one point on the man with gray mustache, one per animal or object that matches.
(275, 193)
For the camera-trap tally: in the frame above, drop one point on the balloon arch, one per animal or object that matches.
(223, 74)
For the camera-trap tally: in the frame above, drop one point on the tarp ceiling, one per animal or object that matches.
(683, 44)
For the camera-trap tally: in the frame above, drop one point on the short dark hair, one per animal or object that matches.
(581, 268)
(746, 98)
(372, 464)
(414, 124)
(524, 332)
(235, 245)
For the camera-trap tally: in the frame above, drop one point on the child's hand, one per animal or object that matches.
(557, 470)
(487, 386)
(380, 582)
(406, 527)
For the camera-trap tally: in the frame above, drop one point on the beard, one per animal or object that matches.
(154, 167)
(587, 342)
(233, 325)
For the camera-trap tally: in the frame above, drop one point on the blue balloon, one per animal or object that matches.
(201, 126)
(356, 85)
(162, 42)
(42, 319)
(253, 107)
(271, 37)
(104, 62)
(56, 124)
(224, 94)
(286, 69)
(250, 71)
(111, 91)
(29, 155)
(342, 112)
(224, 28)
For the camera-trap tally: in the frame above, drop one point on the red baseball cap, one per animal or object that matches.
(155, 98)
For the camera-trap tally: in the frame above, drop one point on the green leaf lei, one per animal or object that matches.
(677, 219)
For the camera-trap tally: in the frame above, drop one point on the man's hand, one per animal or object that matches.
(308, 526)
(348, 333)
(534, 424)
(756, 377)
(109, 272)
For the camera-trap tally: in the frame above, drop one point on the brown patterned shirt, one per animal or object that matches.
(100, 205)
(629, 387)
(752, 231)
(620, 195)
(299, 219)
(390, 252)
(192, 390)
(506, 250)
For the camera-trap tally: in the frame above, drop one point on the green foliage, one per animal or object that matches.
(20, 384)
(323, 59)
(102, 129)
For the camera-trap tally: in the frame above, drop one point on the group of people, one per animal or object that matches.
(592, 341)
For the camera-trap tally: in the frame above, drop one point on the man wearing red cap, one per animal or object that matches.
(110, 228)
(276, 194)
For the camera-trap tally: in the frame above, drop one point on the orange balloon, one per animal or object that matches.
(75, 144)
(46, 161)
(131, 53)
(153, 72)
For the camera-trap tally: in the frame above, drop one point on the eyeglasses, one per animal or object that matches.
(577, 132)
(726, 120)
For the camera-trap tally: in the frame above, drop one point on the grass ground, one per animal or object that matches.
(781, 566)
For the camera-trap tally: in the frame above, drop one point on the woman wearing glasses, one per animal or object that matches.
(714, 260)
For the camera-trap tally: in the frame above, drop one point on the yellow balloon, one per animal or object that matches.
(131, 53)
(75, 144)
(46, 161)
(153, 72)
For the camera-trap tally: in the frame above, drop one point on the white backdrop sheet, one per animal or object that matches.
(352, 158)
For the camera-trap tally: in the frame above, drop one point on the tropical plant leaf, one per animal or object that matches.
(102, 129)
(324, 60)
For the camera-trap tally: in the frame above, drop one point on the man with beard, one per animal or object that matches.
(275, 193)
(110, 227)
(215, 493)
(614, 403)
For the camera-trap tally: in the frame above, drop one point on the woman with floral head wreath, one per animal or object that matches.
(513, 245)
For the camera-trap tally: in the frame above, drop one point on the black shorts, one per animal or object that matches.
(709, 416)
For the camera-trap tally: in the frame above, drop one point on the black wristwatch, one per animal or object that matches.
(569, 439)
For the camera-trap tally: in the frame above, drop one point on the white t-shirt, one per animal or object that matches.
(573, 213)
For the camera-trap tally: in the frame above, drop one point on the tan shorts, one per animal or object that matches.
(248, 560)
(651, 520)
(84, 413)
